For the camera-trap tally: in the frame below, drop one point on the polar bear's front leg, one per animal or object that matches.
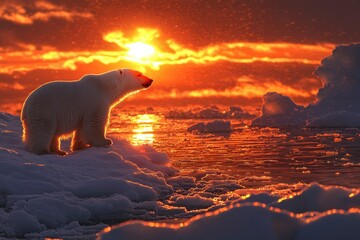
(55, 146)
(93, 129)
(78, 141)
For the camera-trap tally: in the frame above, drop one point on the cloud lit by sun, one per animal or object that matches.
(143, 50)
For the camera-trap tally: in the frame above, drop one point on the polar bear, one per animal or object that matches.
(83, 107)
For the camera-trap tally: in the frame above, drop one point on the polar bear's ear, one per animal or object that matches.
(119, 73)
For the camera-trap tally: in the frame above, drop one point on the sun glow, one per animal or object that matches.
(144, 133)
(147, 50)
(140, 50)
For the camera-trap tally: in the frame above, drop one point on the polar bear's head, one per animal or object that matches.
(133, 81)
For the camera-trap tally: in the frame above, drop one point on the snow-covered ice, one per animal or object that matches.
(317, 212)
(337, 102)
(38, 193)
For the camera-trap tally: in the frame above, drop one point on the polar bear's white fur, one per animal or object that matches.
(58, 108)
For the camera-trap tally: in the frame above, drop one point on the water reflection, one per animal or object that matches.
(144, 128)
(256, 157)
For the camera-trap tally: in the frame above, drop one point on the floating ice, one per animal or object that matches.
(212, 112)
(279, 110)
(192, 202)
(216, 126)
(338, 101)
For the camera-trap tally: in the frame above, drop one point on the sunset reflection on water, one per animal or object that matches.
(143, 133)
(256, 157)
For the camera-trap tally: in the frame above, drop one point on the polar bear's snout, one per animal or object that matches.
(147, 82)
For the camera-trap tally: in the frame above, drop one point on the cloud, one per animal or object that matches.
(247, 86)
(166, 52)
(12, 86)
(25, 13)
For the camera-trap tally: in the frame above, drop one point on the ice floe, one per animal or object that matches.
(337, 103)
(216, 126)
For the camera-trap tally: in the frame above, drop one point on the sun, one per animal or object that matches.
(140, 50)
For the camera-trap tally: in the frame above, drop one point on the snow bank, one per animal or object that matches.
(217, 126)
(51, 195)
(319, 198)
(212, 112)
(338, 101)
(316, 213)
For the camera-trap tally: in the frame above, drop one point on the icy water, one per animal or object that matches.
(253, 157)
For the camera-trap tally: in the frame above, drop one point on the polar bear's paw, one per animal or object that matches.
(60, 153)
(103, 143)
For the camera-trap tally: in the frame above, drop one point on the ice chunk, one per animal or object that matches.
(279, 110)
(337, 102)
(340, 74)
(192, 202)
(182, 181)
(213, 112)
(317, 198)
(217, 126)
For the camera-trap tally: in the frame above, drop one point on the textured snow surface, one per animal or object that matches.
(68, 194)
(317, 212)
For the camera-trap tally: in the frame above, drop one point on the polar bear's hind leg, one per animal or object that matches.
(94, 130)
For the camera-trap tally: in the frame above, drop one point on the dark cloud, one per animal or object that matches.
(195, 23)
(26, 13)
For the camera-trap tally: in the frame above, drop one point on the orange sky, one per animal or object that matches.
(44, 41)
